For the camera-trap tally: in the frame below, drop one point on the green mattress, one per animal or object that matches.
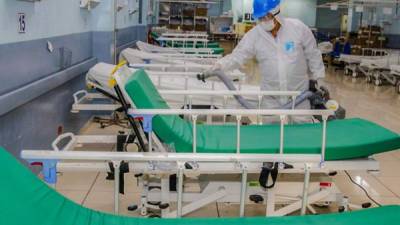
(198, 45)
(26, 200)
(346, 139)
(215, 51)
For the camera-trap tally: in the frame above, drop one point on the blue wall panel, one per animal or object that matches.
(34, 125)
(102, 46)
(25, 62)
(393, 41)
(127, 35)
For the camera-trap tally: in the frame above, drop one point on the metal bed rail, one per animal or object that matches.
(148, 114)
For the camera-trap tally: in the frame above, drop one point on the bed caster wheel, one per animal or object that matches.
(342, 209)
(323, 205)
(366, 205)
(164, 206)
(378, 82)
(132, 208)
(256, 198)
(332, 174)
(154, 203)
(154, 216)
(188, 166)
(346, 72)
(354, 75)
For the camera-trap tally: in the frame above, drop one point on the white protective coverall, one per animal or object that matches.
(286, 62)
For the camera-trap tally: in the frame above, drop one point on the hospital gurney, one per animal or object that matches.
(352, 63)
(166, 77)
(395, 71)
(339, 152)
(138, 56)
(378, 70)
(47, 207)
(158, 49)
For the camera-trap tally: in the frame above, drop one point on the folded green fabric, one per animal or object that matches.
(26, 200)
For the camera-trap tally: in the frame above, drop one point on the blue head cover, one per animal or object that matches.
(262, 7)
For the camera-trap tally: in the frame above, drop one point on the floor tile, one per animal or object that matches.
(102, 184)
(76, 196)
(75, 181)
(392, 183)
(373, 186)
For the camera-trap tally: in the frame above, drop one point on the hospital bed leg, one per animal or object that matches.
(143, 199)
(165, 196)
(201, 202)
(180, 191)
(243, 192)
(305, 189)
(116, 186)
(270, 202)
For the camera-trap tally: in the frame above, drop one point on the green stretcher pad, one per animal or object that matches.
(346, 139)
(26, 200)
(198, 45)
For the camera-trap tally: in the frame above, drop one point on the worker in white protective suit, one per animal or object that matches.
(285, 50)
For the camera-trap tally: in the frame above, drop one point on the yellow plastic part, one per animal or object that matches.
(112, 81)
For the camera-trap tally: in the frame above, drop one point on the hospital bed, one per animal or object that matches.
(184, 41)
(168, 133)
(395, 71)
(138, 56)
(203, 35)
(378, 70)
(325, 47)
(158, 49)
(181, 78)
(352, 63)
(44, 206)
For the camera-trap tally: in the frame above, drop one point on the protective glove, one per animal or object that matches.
(216, 67)
(210, 72)
(321, 83)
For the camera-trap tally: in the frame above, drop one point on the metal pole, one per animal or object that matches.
(239, 119)
(116, 186)
(243, 192)
(194, 118)
(150, 141)
(324, 127)
(115, 32)
(304, 202)
(282, 135)
(260, 97)
(180, 192)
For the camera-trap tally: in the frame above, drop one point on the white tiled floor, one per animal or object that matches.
(378, 104)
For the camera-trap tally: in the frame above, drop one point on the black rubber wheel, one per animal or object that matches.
(172, 182)
(154, 216)
(164, 206)
(256, 198)
(398, 87)
(366, 205)
(132, 208)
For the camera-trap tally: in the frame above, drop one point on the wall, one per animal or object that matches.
(329, 21)
(390, 23)
(376, 16)
(36, 85)
(305, 10)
